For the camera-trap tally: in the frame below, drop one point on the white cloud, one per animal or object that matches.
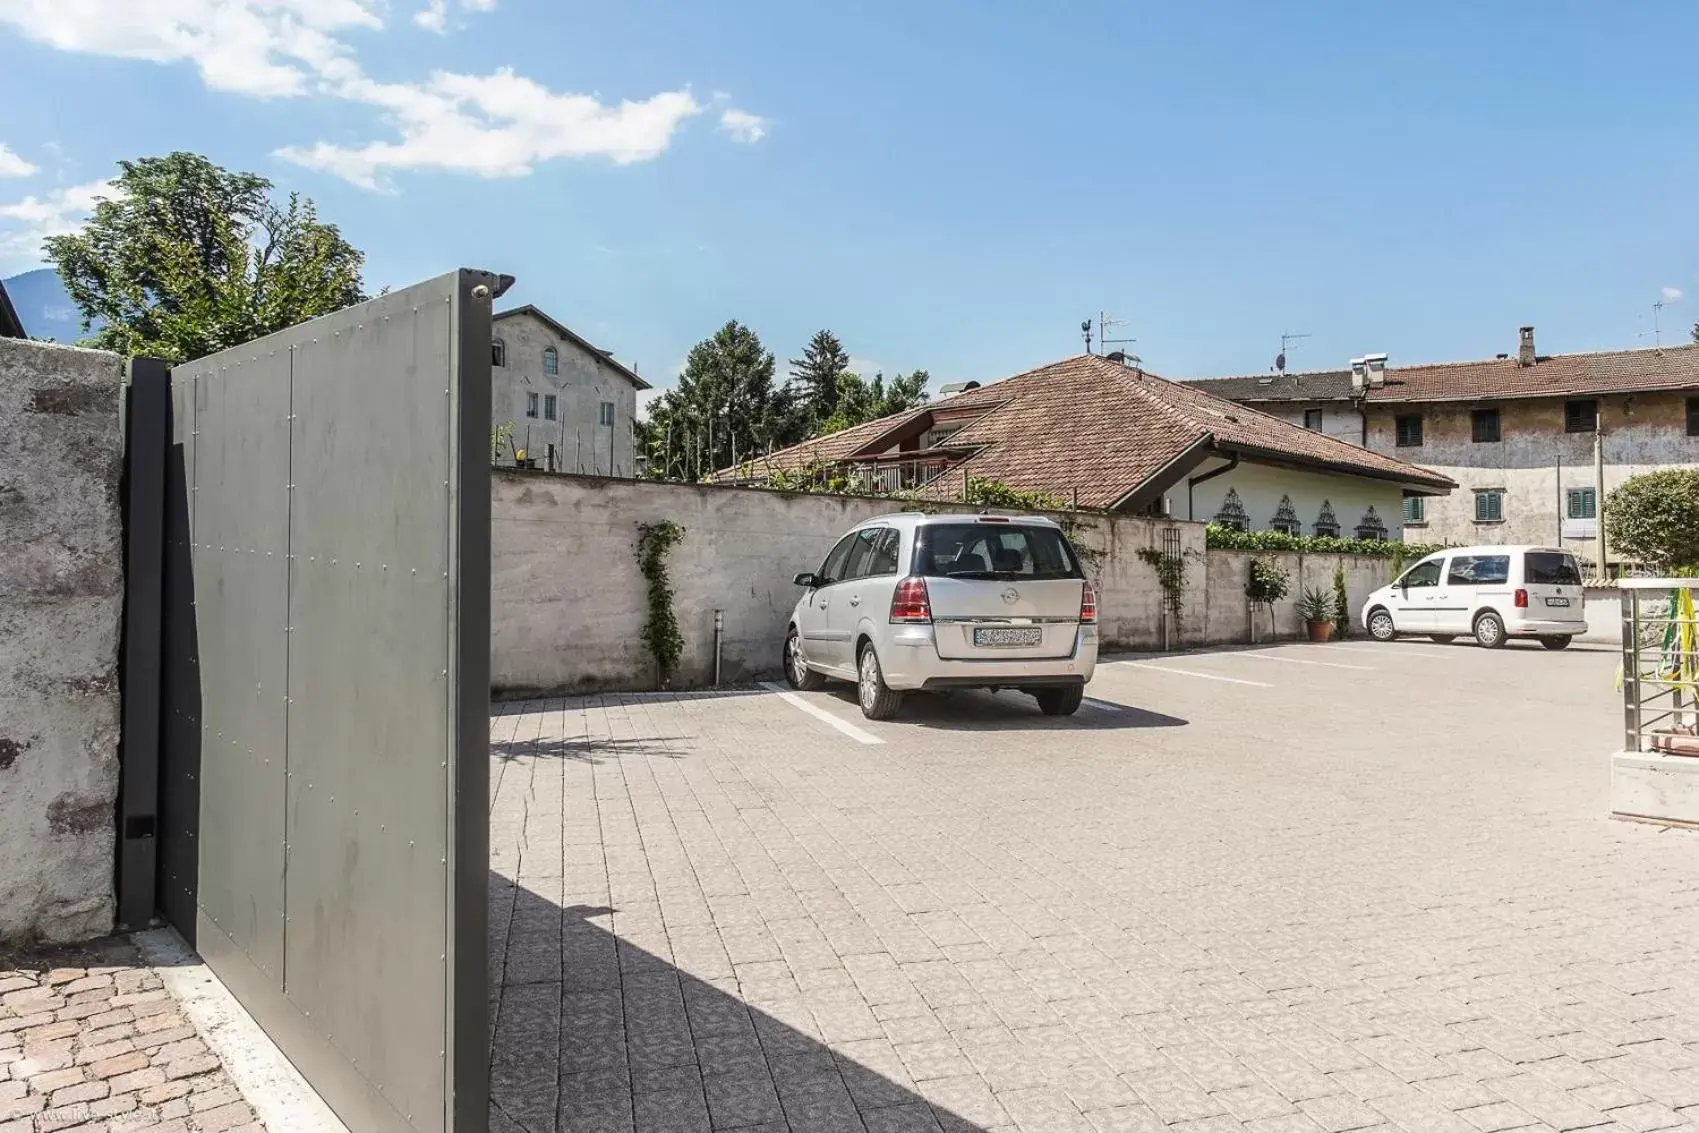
(433, 17)
(496, 125)
(11, 165)
(1672, 294)
(26, 223)
(743, 126)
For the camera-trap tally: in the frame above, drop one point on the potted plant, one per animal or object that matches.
(1316, 608)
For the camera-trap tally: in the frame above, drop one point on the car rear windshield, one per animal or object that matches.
(993, 550)
(1548, 568)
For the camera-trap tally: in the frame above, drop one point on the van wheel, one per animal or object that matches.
(1443, 638)
(1381, 627)
(1489, 631)
(797, 673)
(1064, 701)
(1555, 641)
(878, 702)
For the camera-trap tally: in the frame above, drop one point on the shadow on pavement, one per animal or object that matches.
(592, 1034)
(976, 711)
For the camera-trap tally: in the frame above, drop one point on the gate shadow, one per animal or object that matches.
(591, 1034)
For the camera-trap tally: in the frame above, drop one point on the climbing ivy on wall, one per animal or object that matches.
(661, 634)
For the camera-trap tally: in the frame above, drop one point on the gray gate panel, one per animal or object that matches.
(334, 654)
(370, 713)
(241, 540)
(180, 681)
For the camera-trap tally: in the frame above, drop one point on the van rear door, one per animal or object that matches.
(1000, 590)
(1553, 582)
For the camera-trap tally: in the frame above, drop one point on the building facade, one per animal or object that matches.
(560, 403)
(1519, 433)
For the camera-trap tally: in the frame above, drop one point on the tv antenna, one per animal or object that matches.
(1105, 323)
(1286, 339)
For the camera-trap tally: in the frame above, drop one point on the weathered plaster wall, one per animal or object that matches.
(1260, 487)
(1338, 419)
(568, 603)
(582, 442)
(61, 598)
(1535, 462)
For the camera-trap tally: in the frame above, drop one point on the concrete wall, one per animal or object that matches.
(1261, 486)
(568, 603)
(1535, 462)
(61, 598)
(585, 380)
(1229, 572)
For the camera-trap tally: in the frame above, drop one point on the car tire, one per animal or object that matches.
(878, 700)
(1381, 627)
(1555, 641)
(1064, 701)
(1489, 631)
(797, 673)
(1443, 638)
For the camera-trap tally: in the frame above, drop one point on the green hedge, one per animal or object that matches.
(1232, 539)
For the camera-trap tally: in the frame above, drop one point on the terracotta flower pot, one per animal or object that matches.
(1320, 631)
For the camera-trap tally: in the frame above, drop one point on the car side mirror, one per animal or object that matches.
(806, 580)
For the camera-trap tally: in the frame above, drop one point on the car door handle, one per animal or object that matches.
(824, 603)
(855, 599)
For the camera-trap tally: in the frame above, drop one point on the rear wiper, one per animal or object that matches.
(971, 574)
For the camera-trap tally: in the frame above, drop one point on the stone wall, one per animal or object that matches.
(61, 598)
(568, 605)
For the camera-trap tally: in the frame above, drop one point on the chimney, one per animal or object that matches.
(1525, 347)
(1374, 366)
(1359, 375)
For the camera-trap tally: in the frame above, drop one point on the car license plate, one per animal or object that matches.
(1557, 601)
(1008, 636)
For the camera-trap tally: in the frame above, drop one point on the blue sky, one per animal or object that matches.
(951, 186)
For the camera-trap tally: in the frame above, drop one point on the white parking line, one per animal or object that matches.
(1297, 660)
(819, 713)
(1191, 673)
(1410, 650)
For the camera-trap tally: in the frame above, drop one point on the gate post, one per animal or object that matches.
(147, 436)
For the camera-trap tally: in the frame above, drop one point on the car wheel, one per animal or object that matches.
(1555, 641)
(1381, 627)
(797, 673)
(1443, 638)
(878, 701)
(1489, 631)
(1063, 701)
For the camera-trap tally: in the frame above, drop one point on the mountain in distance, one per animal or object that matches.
(44, 306)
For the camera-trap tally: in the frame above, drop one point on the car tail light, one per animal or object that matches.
(910, 602)
(1521, 599)
(1088, 605)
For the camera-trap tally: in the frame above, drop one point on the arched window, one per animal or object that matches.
(1327, 523)
(498, 352)
(1286, 518)
(1232, 513)
(1372, 526)
(551, 361)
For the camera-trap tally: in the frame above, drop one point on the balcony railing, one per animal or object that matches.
(1660, 665)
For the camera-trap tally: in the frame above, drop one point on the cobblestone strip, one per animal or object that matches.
(91, 1041)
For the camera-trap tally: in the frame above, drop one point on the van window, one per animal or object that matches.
(987, 550)
(1422, 574)
(1479, 570)
(1550, 568)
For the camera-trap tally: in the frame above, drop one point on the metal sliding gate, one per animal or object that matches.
(322, 777)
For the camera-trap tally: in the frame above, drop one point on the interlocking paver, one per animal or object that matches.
(1277, 911)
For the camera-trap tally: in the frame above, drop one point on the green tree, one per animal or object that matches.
(185, 258)
(860, 401)
(815, 377)
(1654, 518)
(723, 410)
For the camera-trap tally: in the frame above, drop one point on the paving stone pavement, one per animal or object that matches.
(91, 1041)
(1374, 889)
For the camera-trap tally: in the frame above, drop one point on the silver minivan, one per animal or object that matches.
(1493, 593)
(923, 602)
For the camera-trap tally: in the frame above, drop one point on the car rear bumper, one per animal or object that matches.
(1533, 628)
(910, 661)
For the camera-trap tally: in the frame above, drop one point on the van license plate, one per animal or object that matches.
(1557, 601)
(1008, 636)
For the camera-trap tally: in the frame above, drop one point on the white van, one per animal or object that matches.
(1494, 593)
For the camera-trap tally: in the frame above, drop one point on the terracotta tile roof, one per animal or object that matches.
(1093, 427)
(1317, 385)
(1551, 375)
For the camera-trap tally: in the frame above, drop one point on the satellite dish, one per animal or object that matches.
(1280, 361)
